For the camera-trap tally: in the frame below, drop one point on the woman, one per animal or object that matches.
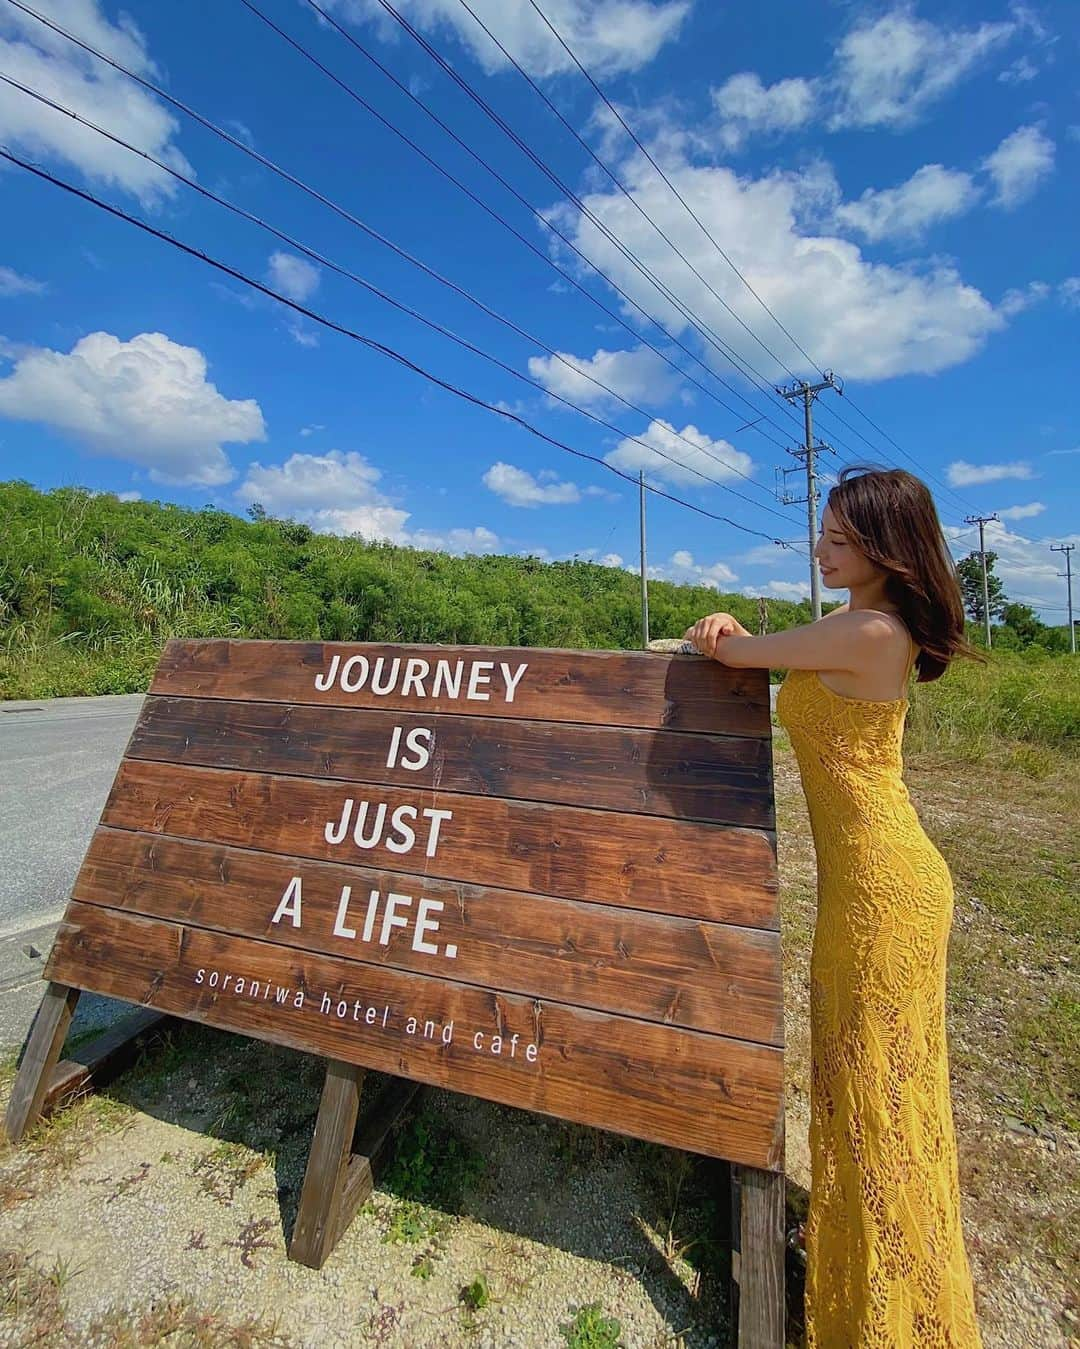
(886, 1265)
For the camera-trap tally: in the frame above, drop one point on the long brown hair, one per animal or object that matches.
(889, 515)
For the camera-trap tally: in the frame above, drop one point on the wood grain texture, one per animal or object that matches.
(761, 1298)
(722, 779)
(637, 861)
(40, 1055)
(680, 971)
(319, 1217)
(604, 688)
(705, 1093)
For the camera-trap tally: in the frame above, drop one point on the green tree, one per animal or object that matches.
(1024, 621)
(969, 570)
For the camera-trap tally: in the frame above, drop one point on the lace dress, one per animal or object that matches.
(886, 1265)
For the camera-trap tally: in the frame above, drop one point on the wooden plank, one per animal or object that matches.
(762, 1311)
(683, 1088)
(102, 1059)
(679, 971)
(43, 1045)
(372, 1136)
(723, 779)
(318, 1218)
(605, 688)
(637, 861)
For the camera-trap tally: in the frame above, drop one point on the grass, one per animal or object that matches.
(591, 1328)
(34, 1307)
(1019, 703)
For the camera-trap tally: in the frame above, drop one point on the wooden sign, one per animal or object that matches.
(547, 878)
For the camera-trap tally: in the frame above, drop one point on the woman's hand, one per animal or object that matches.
(707, 633)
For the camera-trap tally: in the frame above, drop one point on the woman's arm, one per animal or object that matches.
(852, 642)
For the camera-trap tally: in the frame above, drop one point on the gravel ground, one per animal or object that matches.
(552, 1216)
(177, 1187)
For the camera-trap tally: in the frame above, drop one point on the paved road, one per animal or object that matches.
(58, 758)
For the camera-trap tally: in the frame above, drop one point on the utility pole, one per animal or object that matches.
(981, 521)
(644, 571)
(800, 389)
(1067, 548)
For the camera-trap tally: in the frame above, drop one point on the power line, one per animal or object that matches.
(404, 308)
(618, 182)
(702, 327)
(363, 340)
(686, 205)
(697, 220)
(699, 325)
(571, 280)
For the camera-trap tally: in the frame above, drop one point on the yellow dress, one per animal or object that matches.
(886, 1264)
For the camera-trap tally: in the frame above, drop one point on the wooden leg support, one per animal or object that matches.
(758, 1264)
(339, 1175)
(43, 1046)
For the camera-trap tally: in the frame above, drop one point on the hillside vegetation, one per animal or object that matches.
(91, 587)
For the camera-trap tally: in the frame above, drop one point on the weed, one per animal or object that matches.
(32, 1299)
(591, 1329)
(476, 1295)
(431, 1164)
(252, 1238)
(225, 1169)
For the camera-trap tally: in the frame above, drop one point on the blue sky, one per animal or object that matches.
(897, 183)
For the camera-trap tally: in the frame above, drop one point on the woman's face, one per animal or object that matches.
(842, 565)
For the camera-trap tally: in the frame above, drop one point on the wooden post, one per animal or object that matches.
(43, 1046)
(759, 1267)
(317, 1218)
(339, 1173)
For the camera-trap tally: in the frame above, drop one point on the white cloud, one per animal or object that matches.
(781, 590)
(763, 555)
(933, 193)
(963, 474)
(306, 431)
(608, 36)
(890, 69)
(1021, 70)
(1026, 566)
(1019, 298)
(334, 493)
(301, 332)
(1022, 512)
(146, 401)
(611, 560)
(683, 570)
(1019, 165)
(518, 488)
(666, 454)
(337, 493)
(744, 105)
(869, 319)
(49, 63)
(295, 277)
(637, 376)
(11, 283)
(1069, 292)
(129, 496)
(241, 131)
(478, 540)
